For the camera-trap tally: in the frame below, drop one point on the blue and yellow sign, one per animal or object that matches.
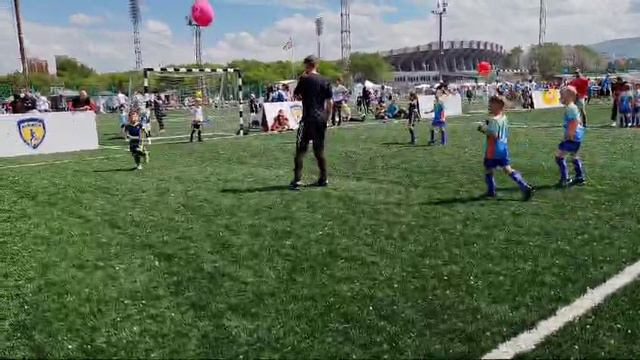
(296, 112)
(32, 131)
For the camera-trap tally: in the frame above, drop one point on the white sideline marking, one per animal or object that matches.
(227, 136)
(57, 162)
(528, 340)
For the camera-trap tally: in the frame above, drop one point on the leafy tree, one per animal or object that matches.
(371, 67)
(547, 59)
(514, 58)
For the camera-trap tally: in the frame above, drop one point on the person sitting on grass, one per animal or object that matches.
(280, 123)
(379, 111)
(392, 110)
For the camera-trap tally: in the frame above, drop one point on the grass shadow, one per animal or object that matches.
(115, 170)
(472, 199)
(264, 189)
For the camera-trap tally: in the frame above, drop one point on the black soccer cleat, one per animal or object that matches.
(562, 184)
(578, 182)
(528, 193)
(320, 183)
(295, 185)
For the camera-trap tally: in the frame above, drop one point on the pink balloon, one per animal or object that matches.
(202, 13)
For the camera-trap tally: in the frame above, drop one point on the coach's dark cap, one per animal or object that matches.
(311, 60)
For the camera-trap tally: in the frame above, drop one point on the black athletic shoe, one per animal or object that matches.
(577, 182)
(320, 183)
(295, 185)
(527, 194)
(491, 195)
(562, 184)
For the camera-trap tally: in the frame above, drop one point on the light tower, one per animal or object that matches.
(345, 31)
(440, 11)
(543, 22)
(319, 31)
(134, 13)
(197, 39)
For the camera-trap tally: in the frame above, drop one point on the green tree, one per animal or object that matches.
(514, 58)
(371, 67)
(547, 59)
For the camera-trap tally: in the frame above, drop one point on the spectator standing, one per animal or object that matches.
(317, 104)
(581, 83)
(340, 94)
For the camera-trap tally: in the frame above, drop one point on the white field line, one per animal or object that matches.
(528, 340)
(228, 136)
(57, 162)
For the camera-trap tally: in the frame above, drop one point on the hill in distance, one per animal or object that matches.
(629, 47)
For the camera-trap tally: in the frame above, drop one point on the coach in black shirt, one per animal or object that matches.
(82, 102)
(316, 94)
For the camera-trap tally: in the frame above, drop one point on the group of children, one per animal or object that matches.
(496, 131)
(628, 103)
(438, 124)
(136, 128)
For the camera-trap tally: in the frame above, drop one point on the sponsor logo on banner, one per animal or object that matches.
(296, 111)
(32, 131)
(551, 97)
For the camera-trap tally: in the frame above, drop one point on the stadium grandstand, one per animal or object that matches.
(422, 64)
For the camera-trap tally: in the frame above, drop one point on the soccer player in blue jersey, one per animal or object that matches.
(573, 135)
(625, 106)
(496, 154)
(136, 137)
(439, 122)
(414, 116)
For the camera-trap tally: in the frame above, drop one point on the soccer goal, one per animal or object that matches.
(219, 91)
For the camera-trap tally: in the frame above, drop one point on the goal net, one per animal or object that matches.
(180, 90)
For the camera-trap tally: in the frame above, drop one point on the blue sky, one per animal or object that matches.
(98, 32)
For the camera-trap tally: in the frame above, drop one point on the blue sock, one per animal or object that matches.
(564, 172)
(517, 177)
(491, 184)
(577, 165)
(433, 135)
(444, 137)
(413, 136)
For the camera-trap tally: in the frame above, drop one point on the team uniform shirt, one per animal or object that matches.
(198, 115)
(637, 101)
(573, 130)
(497, 141)
(439, 117)
(625, 102)
(124, 119)
(134, 135)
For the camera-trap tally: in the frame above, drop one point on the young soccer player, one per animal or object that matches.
(439, 120)
(136, 137)
(146, 119)
(636, 106)
(496, 154)
(124, 119)
(198, 119)
(414, 116)
(625, 106)
(573, 134)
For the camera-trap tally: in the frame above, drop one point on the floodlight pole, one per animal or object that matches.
(440, 11)
(319, 31)
(23, 56)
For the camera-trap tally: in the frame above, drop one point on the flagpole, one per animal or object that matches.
(293, 67)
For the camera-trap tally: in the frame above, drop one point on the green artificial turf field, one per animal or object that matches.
(206, 254)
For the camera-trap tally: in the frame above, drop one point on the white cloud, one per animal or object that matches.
(508, 22)
(158, 27)
(81, 19)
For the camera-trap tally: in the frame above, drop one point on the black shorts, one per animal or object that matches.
(311, 132)
(196, 125)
